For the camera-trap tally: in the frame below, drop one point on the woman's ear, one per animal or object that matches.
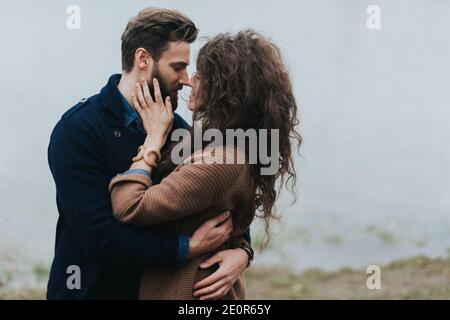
(142, 59)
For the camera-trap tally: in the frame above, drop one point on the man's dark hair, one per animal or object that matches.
(153, 29)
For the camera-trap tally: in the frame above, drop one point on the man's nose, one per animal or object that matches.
(185, 81)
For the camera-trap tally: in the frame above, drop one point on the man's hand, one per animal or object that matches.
(211, 234)
(231, 265)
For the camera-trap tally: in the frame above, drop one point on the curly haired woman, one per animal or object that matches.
(241, 83)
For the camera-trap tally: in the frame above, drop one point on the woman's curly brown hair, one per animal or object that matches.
(244, 84)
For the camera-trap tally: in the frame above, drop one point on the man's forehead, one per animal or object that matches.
(177, 52)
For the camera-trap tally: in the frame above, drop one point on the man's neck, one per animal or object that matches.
(127, 86)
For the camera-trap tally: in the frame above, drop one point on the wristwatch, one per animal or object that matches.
(249, 250)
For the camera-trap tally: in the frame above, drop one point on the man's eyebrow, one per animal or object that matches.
(179, 64)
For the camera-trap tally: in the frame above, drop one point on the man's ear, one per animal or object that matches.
(143, 59)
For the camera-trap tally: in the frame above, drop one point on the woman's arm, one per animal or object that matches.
(189, 190)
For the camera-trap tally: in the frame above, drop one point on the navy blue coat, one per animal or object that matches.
(89, 146)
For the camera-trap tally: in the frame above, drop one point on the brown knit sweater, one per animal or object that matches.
(204, 185)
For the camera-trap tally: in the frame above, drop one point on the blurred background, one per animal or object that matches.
(374, 176)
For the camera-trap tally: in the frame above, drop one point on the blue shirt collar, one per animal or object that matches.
(130, 115)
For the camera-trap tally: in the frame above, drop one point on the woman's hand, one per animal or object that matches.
(156, 116)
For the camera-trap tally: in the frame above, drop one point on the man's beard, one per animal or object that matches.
(165, 92)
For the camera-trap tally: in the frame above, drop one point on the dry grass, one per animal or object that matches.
(415, 278)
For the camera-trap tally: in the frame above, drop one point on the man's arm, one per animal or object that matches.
(82, 190)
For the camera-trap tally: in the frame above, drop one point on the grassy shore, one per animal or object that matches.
(414, 278)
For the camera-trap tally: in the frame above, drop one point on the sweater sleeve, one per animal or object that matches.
(186, 191)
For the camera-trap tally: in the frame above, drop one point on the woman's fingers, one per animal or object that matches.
(169, 106)
(140, 96)
(158, 98)
(136, 104)
(147, 96)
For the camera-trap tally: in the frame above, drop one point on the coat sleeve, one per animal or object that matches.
(83, 198)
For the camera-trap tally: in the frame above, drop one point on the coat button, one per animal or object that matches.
(83, 100)
(117, 133)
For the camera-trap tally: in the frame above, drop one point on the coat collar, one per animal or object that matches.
(112, 103)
